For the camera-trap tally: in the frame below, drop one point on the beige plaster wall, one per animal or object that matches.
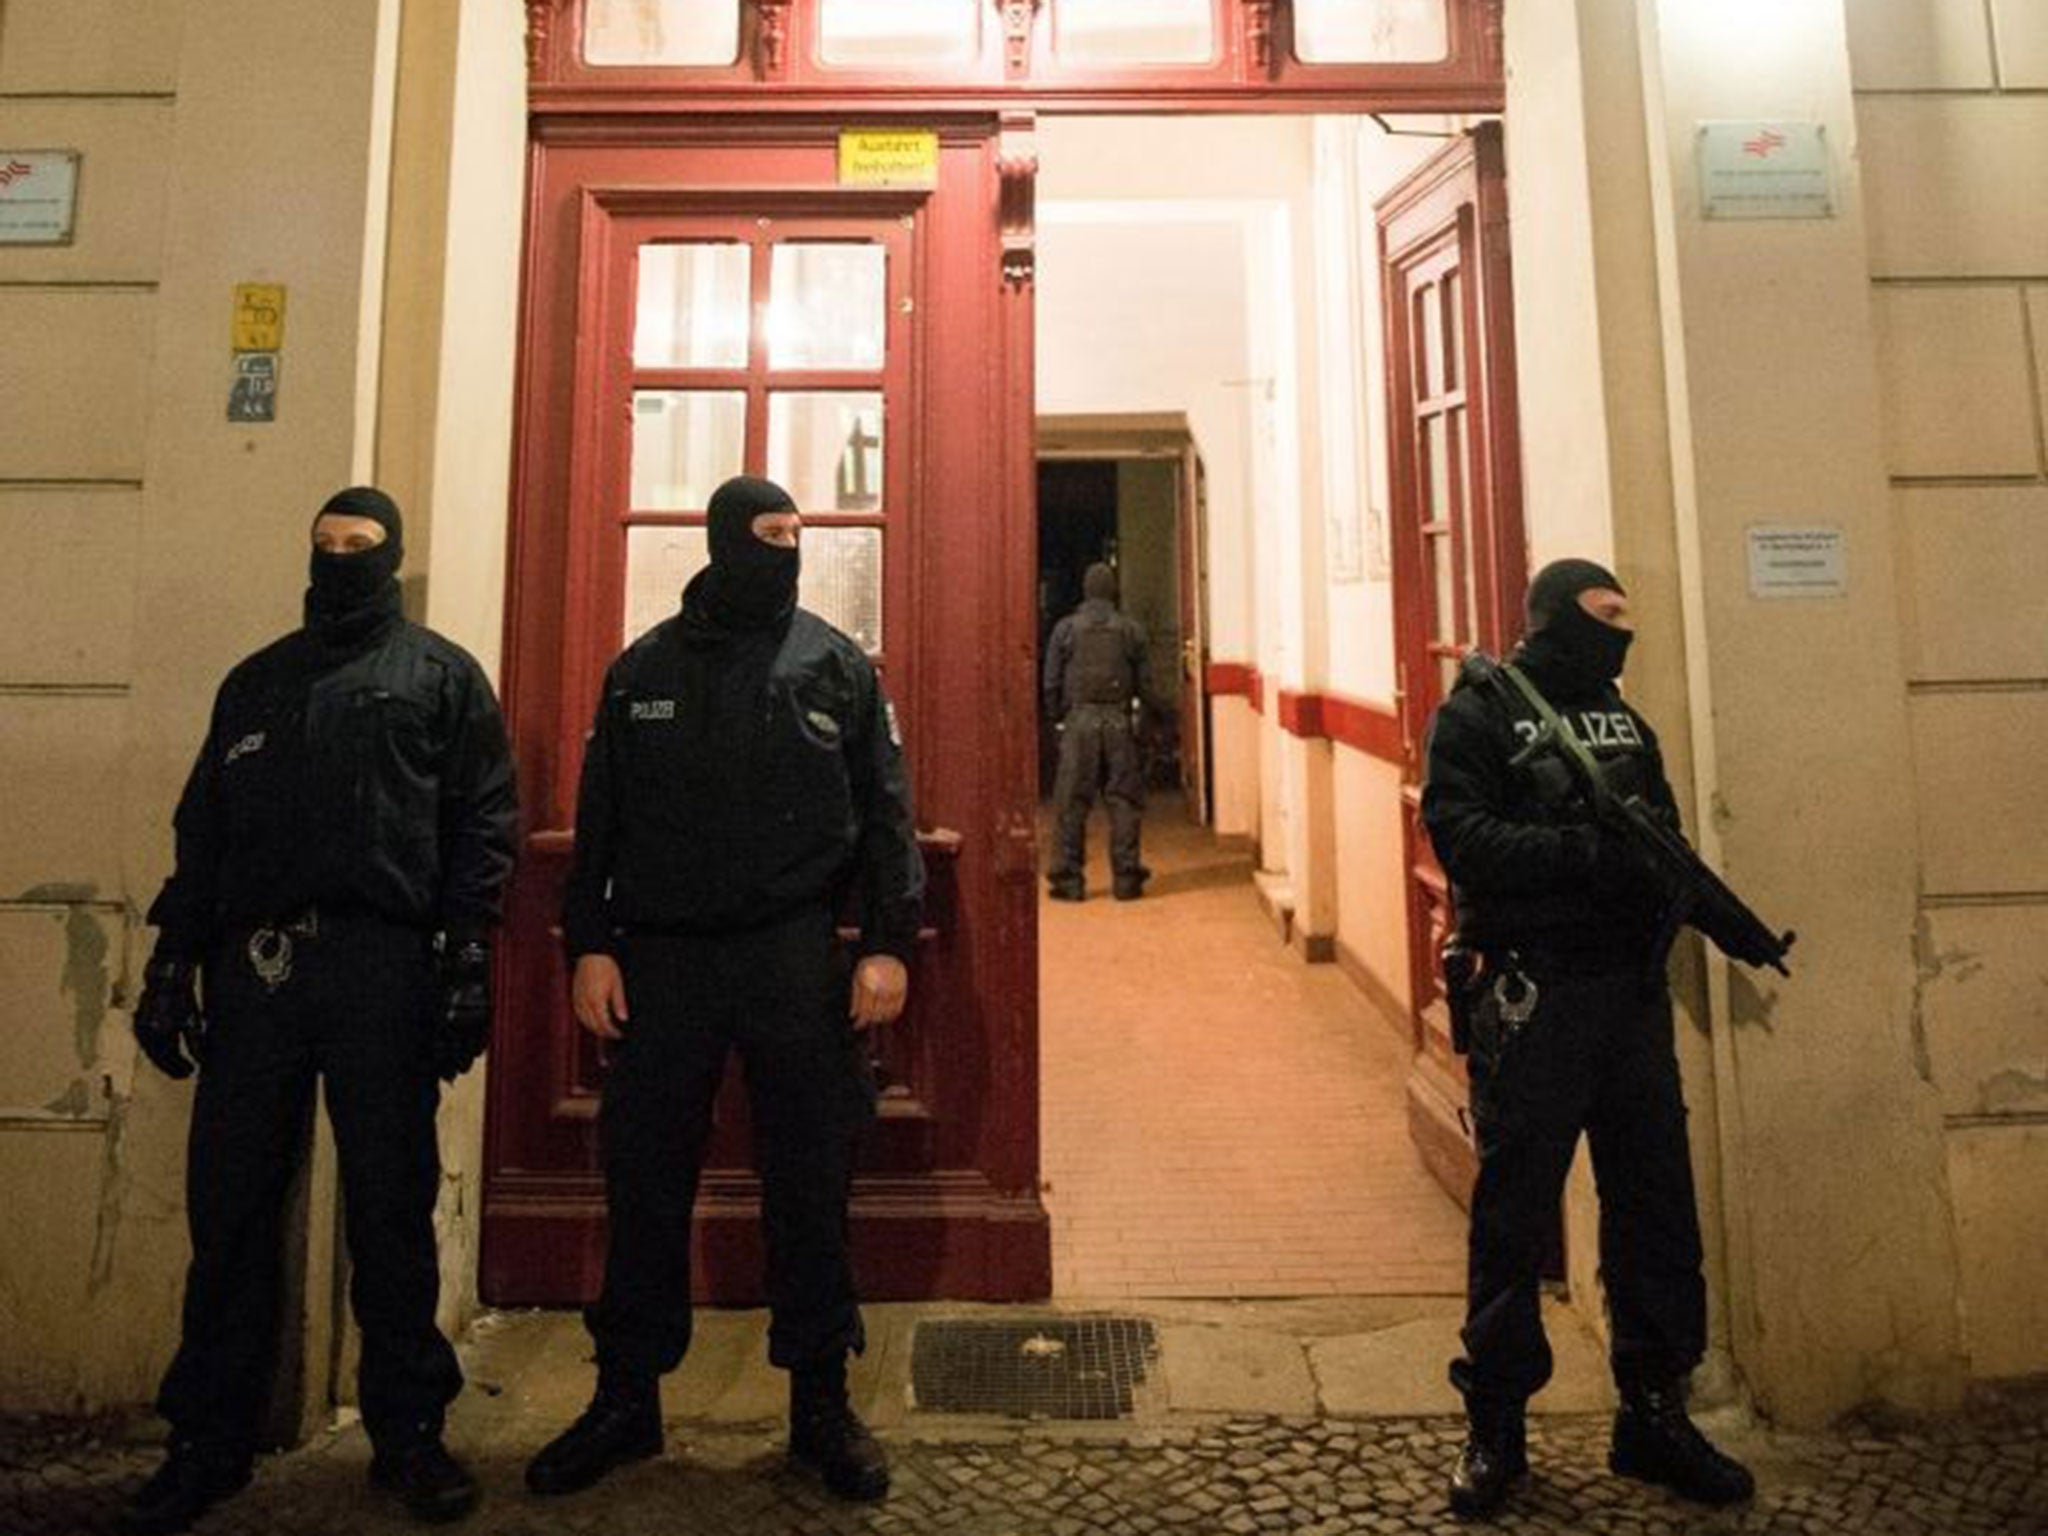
(1372, 913)
(1234, 741)
(146, 514)
(444, 421)
(1955, 168)
(1843, 1275)
(1598, 476)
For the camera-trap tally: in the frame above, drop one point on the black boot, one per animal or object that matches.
(193, 1478)
(1131, 887)
(433, 1485)
(828, 1436)
(1655, 1442)
(621, 1425)
(1070, 888)
(1495, 1457)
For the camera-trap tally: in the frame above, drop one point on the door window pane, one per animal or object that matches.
(1436, 376)
(842, 581)
(1370, 31)
(1436, 453)
(828, 307)
(692, 307)
(1134, 31)
(672, 32)
(901, 32)
(1419, 365)
(825, 448)
(1453, 329)
(685, 443)
(1444, 626)
(659, 564)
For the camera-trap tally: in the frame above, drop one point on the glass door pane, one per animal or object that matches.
(825, 448)
(659, 563)
(829, 306)
(685, 442)
(692, 307)
(661, 32)
(842, 581)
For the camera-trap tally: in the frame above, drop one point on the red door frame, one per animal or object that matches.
(958, 1212)
(1449, 213)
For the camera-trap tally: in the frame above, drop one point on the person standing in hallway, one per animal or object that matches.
(1558, 977)
(343, 844)
(744, 775)
(1094, 687)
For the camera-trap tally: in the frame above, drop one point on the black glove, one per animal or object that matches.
(168, 1024)
(463, 1028)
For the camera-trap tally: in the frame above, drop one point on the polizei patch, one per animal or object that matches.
(653, 709)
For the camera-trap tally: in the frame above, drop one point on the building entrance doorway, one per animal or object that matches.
(787, 249)
(1209, 276)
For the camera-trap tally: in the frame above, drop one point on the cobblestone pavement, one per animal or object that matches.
(1240, 1477)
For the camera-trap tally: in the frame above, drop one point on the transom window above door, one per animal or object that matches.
(764, 49)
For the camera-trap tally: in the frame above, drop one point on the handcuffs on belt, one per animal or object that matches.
(270, 948)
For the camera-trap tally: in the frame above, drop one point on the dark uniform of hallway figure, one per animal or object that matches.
(342, 845)
(1094, 679)
(744, 778)
(1549, 901)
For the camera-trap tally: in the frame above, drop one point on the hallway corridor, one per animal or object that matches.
(1220, 1119)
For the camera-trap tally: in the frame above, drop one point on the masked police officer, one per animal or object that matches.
(1569, 1032)
(744, 776)
(1094, 681)
(342, 843)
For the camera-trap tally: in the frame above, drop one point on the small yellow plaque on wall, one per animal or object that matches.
(888, 157)
(259, 317)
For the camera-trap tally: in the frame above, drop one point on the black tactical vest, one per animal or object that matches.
(1100, 671)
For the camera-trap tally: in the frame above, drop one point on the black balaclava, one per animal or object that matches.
(1098, 583)
(1565, 649)
(750, 584)
(352, 598)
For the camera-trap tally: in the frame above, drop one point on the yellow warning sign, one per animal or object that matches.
(888, 157)
(259, 317)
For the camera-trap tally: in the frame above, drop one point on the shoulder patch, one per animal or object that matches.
(651, 709)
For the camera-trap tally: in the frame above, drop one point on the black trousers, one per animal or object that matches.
(1097, 751)
(779, 996)
(354, 1012)
(1595, 1057)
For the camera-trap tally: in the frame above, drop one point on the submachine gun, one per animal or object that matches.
(1692, 892)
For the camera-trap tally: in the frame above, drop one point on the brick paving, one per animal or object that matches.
(1221, 1119)
(1985, 1476)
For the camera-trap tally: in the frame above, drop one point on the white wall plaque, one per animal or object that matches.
(1751, 170)
(38, 193)
(1789, 561)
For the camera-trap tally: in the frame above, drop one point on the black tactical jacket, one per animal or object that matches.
(375, 781)
(1096, 655)
(735, 776)
(1527, 869)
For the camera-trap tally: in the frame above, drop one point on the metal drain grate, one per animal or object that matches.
(1031, 1368)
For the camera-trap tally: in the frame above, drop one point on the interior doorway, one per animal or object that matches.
(1218, 1118)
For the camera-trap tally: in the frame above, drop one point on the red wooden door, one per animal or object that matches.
(702, 302)
(1459, 563)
